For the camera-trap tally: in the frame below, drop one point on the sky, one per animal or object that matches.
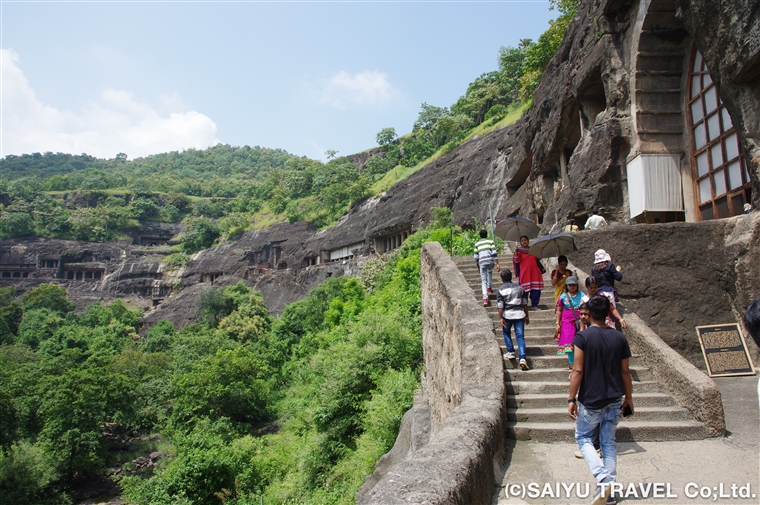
(144, 77)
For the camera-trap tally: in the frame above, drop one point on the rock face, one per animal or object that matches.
(618, 93)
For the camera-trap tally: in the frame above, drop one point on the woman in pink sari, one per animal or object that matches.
(528, 272)
(568, 314)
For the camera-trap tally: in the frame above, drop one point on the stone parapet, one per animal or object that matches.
(693, 389)
(464, 393)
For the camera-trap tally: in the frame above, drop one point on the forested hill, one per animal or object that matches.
(225, 190)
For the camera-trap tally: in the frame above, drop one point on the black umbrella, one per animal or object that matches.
(554, 244)
(515, 227)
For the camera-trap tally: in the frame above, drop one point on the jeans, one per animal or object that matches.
(506, 330)
(486, 273)
(607, 419)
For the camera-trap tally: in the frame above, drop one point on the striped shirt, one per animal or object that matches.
(485, 252)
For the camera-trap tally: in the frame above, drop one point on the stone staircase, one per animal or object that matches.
(537, 398)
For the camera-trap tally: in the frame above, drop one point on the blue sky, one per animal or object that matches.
(149, 77)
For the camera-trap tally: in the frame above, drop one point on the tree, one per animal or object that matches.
(250, 321)
(10, 315)
(566, 7)
(214, 305)
(16, 224)
(386, 136)
(539, 54)
(230, 384)
(331, 154)
(74, 406)
(37, 326)
(429, 115)
(47, 296)
(199, 234)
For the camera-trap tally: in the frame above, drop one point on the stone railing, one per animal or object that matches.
(453, 441)
(694, 390)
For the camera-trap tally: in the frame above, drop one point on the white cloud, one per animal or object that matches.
(370, 87)
(115, 122)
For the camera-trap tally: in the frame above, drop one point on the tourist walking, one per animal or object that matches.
(512, 302)
(571, 227)
(595, 221)
(601, 380)
(558, 277)
(614, 315)
(568, 318)
(529, 271)
(606, 273)
(485, 258)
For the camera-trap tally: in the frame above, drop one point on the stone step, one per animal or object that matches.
(550, 361)
(561, 387)
(536, 398)
(627, 431)
(559, 414)
(530, 341)
(638, 373)
(559, 400)
(531, 349)
(538, 317)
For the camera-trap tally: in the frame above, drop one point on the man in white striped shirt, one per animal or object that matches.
(485, 258)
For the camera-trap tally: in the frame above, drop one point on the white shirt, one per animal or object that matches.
(595, 222)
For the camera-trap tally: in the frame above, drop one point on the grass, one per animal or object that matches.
(400, 172)
(265, 218)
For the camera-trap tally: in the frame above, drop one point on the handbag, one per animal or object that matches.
(541, 267)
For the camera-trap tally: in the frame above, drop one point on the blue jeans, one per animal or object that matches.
(486, 273)
(506, 330)
(607, 419)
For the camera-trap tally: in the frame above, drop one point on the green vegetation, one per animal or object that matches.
(249, 408)
(220, 191)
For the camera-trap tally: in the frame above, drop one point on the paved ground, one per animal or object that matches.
(711, 463)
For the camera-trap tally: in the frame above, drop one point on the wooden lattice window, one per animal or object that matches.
(721, 180)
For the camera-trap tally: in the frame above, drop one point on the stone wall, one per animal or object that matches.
(680, 275)
(694, 390)
(464, 400)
